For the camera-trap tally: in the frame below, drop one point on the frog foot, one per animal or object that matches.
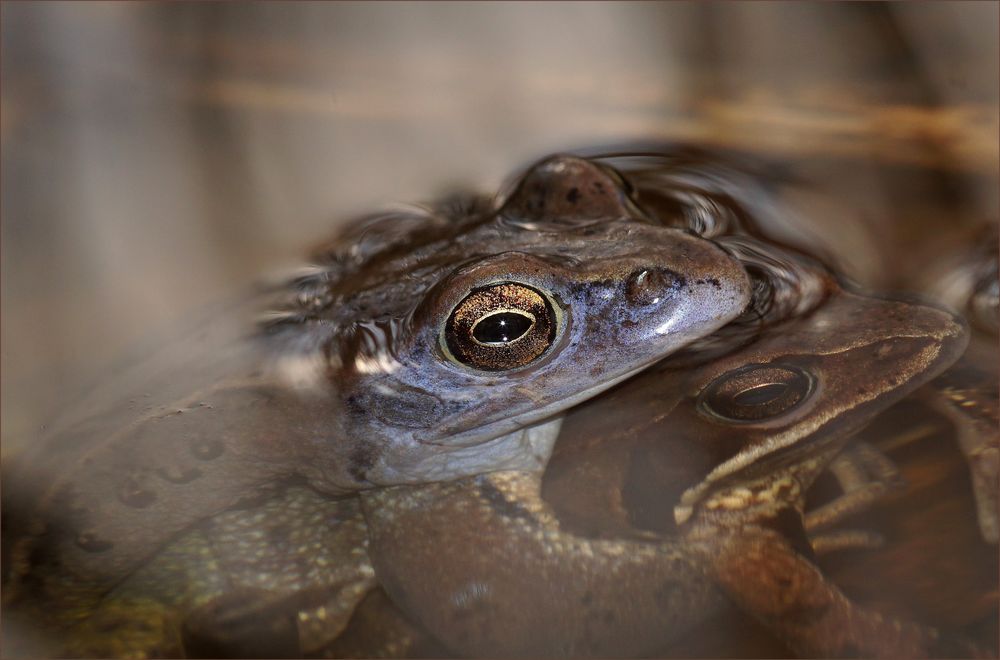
(984, 465)
(864, 475)
(968, 398)
(980, 443)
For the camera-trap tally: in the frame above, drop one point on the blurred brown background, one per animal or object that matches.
(157, 157)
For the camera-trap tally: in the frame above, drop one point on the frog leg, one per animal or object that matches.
(766, 573)
(861, 464)
(152, 480)
(967, 396)
(864, 475)
(294, 567)
(277, 579)
(483, 565)
(752, 539)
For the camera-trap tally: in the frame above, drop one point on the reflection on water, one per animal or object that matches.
(157, 158)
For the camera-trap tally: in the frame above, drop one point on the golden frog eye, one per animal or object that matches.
(500, 327)
(755, 393)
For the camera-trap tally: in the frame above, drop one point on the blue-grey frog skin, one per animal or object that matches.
(426, 345)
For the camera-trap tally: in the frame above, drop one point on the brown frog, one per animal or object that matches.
(428, 345)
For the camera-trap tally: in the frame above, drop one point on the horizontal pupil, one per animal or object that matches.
(501, 328)
(761, 394)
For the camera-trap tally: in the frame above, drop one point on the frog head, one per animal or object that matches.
(440, 344)
(749, 429)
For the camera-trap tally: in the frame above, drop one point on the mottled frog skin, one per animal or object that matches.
(425, 345)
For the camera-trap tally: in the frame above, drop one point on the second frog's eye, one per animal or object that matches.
(500, 327)
(755, 393)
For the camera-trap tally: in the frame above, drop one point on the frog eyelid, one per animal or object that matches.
(756, 393)
(464, 350)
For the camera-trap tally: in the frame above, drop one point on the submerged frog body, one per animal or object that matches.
(425, 346)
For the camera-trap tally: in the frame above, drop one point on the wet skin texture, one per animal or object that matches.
(355, 384)
(465, 546)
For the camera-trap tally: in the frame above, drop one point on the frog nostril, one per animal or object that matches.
(649, 286)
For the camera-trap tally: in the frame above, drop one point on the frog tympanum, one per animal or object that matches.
(427, 363)
(425, 346)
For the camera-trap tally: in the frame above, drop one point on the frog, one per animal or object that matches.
(632, 464)
(739, 439)
(423, 345)
(735, 200)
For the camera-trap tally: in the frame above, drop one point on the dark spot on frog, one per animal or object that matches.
(573, 195)
(499, 502)
(206, 450)
(132, 493)
(587, 598)
(354, 405)
(362, 459)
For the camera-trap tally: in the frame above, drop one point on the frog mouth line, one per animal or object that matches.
(544, 413)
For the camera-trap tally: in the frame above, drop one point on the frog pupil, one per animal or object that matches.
(756, 393)
(760, 394)
(502, 328)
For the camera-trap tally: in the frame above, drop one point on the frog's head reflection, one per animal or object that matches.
(465, 332)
